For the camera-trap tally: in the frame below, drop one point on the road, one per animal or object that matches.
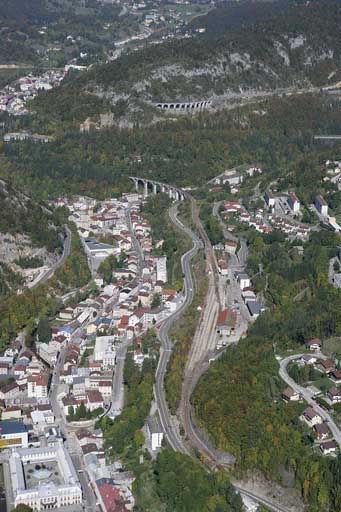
(169, 429)
(308, 395)
(49, 273)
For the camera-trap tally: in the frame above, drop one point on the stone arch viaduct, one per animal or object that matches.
(152, 186)
(184, 106)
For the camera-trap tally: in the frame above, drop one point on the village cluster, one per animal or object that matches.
(316, 417)
(280, 212)
(14, 97)
(57, 393)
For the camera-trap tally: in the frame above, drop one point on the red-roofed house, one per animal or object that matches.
(37, 385)
(225, 322)
(111, 498)
(95, 399)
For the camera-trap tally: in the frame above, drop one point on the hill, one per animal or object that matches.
(52, 32)
(298, 47)
(30, 236)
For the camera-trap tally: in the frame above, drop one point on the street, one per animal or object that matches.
(308, 395)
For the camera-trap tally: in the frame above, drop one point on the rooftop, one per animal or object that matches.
(12, 427)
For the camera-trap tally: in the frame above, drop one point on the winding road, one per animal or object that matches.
(45, 276)
(170, 430)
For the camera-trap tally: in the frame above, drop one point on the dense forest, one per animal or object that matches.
(187, 152)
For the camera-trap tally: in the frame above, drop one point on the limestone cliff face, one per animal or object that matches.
(29, 231)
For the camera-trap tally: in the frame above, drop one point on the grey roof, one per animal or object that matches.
(242, 275)
(93, 245)
(78, 380)
(12, 427)
(254, 307)
(154, 425)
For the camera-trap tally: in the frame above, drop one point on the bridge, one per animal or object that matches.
(152, 186)
(184, 106)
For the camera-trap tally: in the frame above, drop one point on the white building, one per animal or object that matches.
(154, 431)
(37, 386)
(161, 269)
(13, 434)
(53, 482)
(42, 418)
(49, 352)
(321, 206)
(293, 202)
(269, 199)
(243, 280)
(105, 350)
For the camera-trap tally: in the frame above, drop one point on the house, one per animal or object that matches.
(254, 308)
(105, 387)
(78, 386)
(321, 206)
(225, 322)
(109, 496)
(19, 370)
(231, 246)
(269, 199)
(66, 314)
(90, 448)
(293, 202)
(334, 395)
(4, 368)
(322, 431)
(314, 344)
(326, 365)
(155, 432)
(307, 359)
(222, 267)
(42, 417)
(105, 351)
(328, 447)
(335, 376)
(70, 401)
(310, 417)
(168, 294)
(231, 206)
(243, 280)
(289, 395)
(94, 400)
(11, 413)
(9, 391)
(37, 386)
(248, 294)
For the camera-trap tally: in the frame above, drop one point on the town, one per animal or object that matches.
(51, 399)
